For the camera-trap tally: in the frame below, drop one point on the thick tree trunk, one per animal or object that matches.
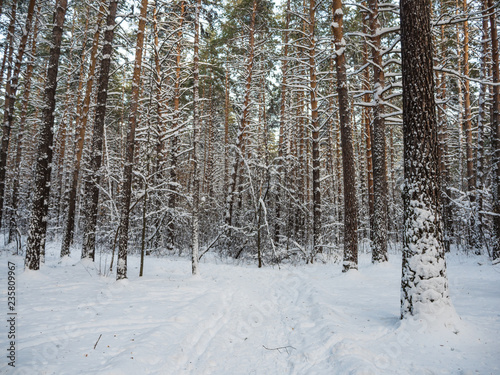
(35, 246)
(379, 245)
(81, 127)
(91, 188)
(424, 282)
(350, 200)
(126, 191)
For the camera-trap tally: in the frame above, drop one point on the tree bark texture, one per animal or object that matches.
(91, 188)
(81, 127)
(35, 245)
(126, 191)
(379, 243)
(350, 200)
(424, 281)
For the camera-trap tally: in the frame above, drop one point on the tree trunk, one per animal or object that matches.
(35, 246)
(315, 144)
(443, 151)
(91, 188)
(467, 111)
(350, 200)
(9, 48)
(81, 127)
(424, 282)
(226, 130)
(283, 114)
(368, 133)
(240, 144)
(11, 90)
(174, 145)
(481, 120)
(20, 137)
(379, 248)
(495, 128)
(126, 191)
(196, 144)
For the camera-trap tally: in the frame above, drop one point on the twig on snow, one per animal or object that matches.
(280, 348)
(97, 341)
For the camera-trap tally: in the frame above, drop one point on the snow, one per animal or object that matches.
(238, 319)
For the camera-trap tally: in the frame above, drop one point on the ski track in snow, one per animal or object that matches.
(238, 319)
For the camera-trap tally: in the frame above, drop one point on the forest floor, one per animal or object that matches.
(238, 319)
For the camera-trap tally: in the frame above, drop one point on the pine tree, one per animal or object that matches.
(196, 144)
(81, 128)
(35, 246)
(424, 281)
(121, 271)
(91, 188)
(350, 200)
(379, 245)
(495, 128)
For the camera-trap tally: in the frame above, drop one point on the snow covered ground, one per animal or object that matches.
(238, 319)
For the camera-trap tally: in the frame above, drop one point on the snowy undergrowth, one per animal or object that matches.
(233, 319)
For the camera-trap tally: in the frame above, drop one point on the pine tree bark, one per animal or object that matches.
(283, 114)
(315, 126)
(481, 120)
(174, 143)
(10, 91)
(91, 188)
(196, 144)
(368, 132)
(81, 127)
(495, 128)
(467, 112)
(350, 200)
(35, 245)
(379, 244)
(240, 144)
(226, 129)
(443, 150)
(424, 282)
(126, 191)
(9, 47)
(20, 137)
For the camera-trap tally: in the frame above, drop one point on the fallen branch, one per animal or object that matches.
(97, 341)
(280, 348)
(210, 246)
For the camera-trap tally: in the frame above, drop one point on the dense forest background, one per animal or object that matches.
(233, 118)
